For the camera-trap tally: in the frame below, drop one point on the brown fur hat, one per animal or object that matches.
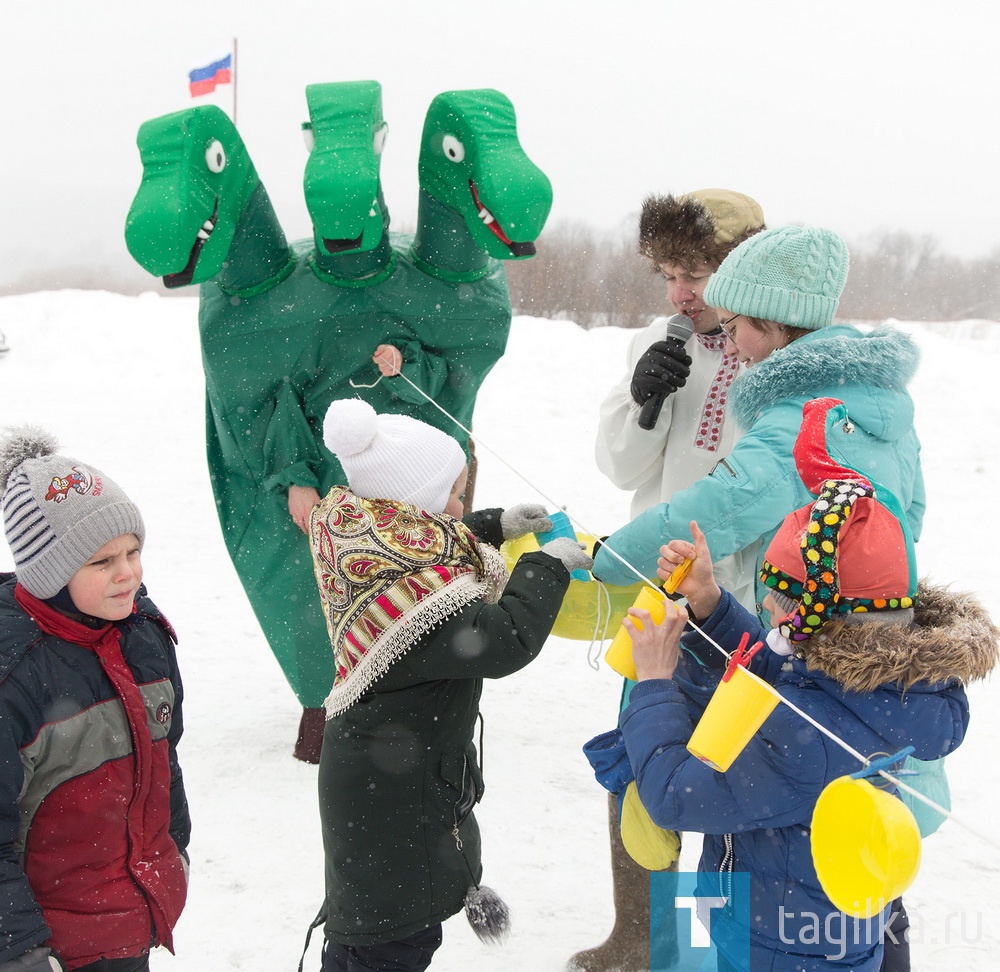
(700, 227)
(951, 637)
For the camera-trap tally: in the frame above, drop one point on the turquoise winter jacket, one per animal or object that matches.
(749, 493)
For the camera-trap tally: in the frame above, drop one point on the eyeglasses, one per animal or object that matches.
(726, 329)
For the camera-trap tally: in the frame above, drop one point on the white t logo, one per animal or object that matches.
(701, 914)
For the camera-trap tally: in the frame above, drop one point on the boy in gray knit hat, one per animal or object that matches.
(93, 816)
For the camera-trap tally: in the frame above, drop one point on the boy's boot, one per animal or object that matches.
(627, 947)
(310, 738)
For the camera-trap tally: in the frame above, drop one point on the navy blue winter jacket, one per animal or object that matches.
(898, 686)
(93, 815)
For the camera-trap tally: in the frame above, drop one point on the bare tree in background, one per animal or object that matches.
(590, 278)
(598, 278)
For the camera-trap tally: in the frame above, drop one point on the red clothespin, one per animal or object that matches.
(741, 656)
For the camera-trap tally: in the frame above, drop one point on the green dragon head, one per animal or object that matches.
(346, 133)
(472, 161)
(197, 178)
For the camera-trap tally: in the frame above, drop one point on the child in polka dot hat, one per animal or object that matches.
(849, 553)
(860, 651)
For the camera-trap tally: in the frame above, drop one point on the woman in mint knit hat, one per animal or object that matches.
(777, 294)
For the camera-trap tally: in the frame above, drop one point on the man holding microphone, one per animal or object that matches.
(661, 428)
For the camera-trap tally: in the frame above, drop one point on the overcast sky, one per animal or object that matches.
(860, 115)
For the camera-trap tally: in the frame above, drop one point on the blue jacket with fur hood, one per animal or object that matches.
(748, 494)
(878, 687)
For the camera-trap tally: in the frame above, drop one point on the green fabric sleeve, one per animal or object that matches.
(428, 371)
(291, 450)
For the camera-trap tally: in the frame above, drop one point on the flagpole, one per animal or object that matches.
(236, 80)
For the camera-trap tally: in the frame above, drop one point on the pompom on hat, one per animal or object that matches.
(701, 226)
(392, 456)
(849, 553)
(57, 512)
(793, 275)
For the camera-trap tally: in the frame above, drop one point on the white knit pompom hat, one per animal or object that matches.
(392, 456)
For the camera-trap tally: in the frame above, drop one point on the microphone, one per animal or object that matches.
(679, 330)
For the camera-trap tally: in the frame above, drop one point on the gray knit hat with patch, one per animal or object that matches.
(57, 512)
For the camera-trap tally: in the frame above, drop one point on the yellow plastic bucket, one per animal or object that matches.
(619, 655)
(865, 846)
(738, 707)
(589, 609)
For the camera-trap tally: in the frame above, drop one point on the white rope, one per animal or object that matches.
(604, 613)
(864, 760)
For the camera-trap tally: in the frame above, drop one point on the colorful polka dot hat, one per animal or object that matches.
(848, 552)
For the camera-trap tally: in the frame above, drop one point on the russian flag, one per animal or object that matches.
(203, 80)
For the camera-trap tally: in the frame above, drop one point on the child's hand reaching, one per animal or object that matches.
(570, 552)
(699, 587)
(657, 647)
(516, 521)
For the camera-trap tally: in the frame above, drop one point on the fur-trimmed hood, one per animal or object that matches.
(951, 638)
(863, 370)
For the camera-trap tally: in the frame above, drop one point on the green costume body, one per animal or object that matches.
(285, 330)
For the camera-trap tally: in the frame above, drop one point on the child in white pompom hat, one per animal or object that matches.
(420, 610)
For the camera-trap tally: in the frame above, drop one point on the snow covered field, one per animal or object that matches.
(119, 381)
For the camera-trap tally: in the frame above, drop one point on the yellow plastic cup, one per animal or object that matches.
(619, 655)
(589, 610)
(865, 846)
(737, 709)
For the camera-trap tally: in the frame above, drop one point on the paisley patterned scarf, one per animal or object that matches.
(388, 573)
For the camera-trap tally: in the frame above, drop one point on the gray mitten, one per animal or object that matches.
(524, 518)
(571, 552)
(38, 959)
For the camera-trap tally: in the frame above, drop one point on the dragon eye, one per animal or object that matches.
(308, 136)
(453, 149)
(378, 140)
(215, 156)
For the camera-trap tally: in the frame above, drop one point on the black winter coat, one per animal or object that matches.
(399, 774)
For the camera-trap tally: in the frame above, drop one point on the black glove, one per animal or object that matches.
(661, 371)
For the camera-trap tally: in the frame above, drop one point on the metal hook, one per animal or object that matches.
(883, 762)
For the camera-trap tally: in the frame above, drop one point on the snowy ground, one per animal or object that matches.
(119, 382)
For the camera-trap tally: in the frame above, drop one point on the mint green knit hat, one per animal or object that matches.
(791, 274)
